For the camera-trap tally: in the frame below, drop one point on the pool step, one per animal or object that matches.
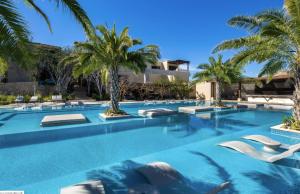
(7, 117)
(4, 114)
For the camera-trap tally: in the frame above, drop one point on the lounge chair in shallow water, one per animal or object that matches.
(269, 144)
(162, 175)
(88, 187)
(248, 150)
(158, 174)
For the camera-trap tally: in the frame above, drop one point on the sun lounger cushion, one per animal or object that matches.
(89, 187)
(53, 120)
(159, 173)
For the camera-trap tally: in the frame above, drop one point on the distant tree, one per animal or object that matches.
(181, 88)
(220, 72)
(52, 61)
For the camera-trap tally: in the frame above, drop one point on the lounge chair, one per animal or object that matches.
(269, 144)
(34, 99)
(19, 99)
(98, 187)
(88, 187)
(162, 175)
(57, 98)
(248, 150)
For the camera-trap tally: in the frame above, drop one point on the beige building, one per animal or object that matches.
(170, 70)
(206, 90)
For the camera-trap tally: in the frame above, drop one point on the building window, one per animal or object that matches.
(173, 68)
(155, 67)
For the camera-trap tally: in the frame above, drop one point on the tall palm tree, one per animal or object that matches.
(274, 39)
(14, 33)
(112, 51)
(220, 72)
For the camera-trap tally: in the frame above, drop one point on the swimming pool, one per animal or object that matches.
(42, 164)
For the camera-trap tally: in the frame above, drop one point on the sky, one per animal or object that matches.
(183, 29)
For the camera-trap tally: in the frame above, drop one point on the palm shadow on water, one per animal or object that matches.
(222, 173)
(278, 181)
(119, 178)
(225, 122)
(192, 126)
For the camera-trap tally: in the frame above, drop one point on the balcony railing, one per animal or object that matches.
(166, 72)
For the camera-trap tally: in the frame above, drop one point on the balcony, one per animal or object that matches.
(178, 72)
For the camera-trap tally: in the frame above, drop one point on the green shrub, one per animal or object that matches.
(4, 103)
(110, 112)
(47, 98)
(69, 97)
(290, 122)
(96, 97)
(7, 99)
(27, 98)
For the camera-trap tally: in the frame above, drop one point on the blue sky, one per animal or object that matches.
(183, 29)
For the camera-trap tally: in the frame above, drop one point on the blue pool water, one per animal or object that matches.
(43, 160)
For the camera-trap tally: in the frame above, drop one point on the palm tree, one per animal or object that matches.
(274, 39)
(88, 68)
(220, 72)
(111, 51)
(14, 36)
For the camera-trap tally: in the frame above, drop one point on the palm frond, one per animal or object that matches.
(250, 23)
(79, 14)
(39, 11)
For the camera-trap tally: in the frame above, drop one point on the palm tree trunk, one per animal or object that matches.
(218, 93)
(296, 97)
(114, 89)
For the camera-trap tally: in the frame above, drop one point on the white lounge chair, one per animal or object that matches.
(88, 187)
(161, 174)
(19, 99)
(247, 149)
(34, 99)
(269, 144)
(57, 98)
